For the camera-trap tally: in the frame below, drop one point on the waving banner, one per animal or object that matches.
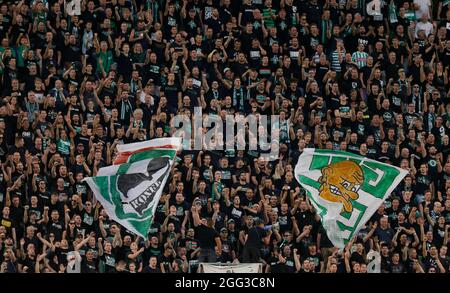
(130, 192)
(346, 189)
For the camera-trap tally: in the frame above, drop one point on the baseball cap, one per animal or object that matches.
(230, 221)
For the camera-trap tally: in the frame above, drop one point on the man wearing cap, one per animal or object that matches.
(254, 240)
(233, 234)
(227, 254)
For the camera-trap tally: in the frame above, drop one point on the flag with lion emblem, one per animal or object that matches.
(345, 189)
(130, 191)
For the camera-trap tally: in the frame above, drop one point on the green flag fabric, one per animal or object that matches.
(130, 192)
(345, 189)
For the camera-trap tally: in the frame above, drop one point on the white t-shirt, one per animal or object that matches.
(423, 8)
(427, 27)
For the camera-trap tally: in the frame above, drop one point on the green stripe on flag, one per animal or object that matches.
(314, 184)
(152, 154)
(102, 183)
(145, 156)
(318, 162)
(356, 206)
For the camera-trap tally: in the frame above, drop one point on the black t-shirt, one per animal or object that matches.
(304, 218)
(356, 257)
(56, 228)
(316, 259)
(422, 183)
(181, 209)
(166, 261)
(243, 189)
(171, 92)
(109, 262)
(360, 128)
(235, 214)
(151, 251)
(191, 244)
(324, 240)
(438, 235)
(277, 267)
(72, 53)
(406, 206)
(220, 220)
(255, 235)
(285, 221)
(206, 236)
(398, 268)
(149, 270)
(125, 66)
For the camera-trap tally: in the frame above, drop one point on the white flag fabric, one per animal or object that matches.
(73, 7)
(130, 192)
(244, 268)
(345, 189)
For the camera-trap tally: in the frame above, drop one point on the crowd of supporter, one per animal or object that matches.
(75, 84)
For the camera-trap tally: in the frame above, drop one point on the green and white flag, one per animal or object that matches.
(346, 189)
(130, 192)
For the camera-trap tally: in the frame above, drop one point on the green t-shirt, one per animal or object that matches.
(20, 55)
(214, 195)
(63, 146)
(267, 19)
(41, 16)
(410, 15)
(107, 59)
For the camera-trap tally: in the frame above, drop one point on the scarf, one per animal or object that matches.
(125, 107)
(417, 101)
(430, 120)
(238, 94)
(215, 94)
(325, 24)
(133, 86)
(393, 13)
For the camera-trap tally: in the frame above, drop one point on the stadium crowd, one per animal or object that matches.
(74, 85)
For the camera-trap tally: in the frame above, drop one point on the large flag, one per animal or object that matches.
(346, 189)
(130, 192)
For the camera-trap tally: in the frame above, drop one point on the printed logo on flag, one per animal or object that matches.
(340, 182)
(138, 190)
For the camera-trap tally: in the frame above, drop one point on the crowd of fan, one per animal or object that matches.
(73, 87)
